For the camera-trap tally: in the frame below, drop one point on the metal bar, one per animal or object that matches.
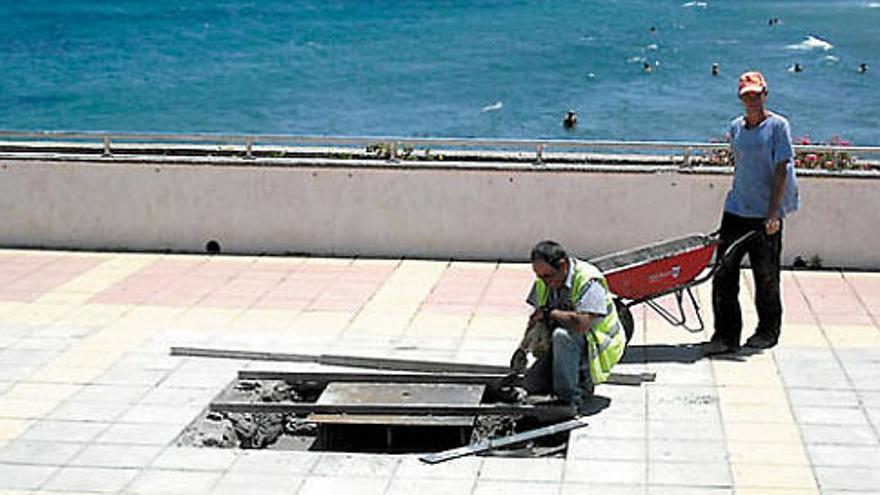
(364, 140)
(409, 365)
(401, 409)
(381, 363)
(243, 355)
(504, 441)
(317, 377)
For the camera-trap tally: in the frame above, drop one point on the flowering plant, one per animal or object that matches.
(828, 160)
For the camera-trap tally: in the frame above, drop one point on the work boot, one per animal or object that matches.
(716, 347)
(758, 341)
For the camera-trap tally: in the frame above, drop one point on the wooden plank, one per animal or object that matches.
(403, 409)
(504, 441)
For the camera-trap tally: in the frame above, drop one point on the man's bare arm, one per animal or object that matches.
(573, 321)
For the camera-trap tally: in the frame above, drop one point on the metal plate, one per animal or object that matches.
(398, 393)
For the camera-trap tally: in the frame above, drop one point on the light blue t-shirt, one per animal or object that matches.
(756, 152)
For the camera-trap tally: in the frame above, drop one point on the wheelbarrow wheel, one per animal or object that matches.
(626, 319)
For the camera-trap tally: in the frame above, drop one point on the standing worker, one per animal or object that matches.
(764, 191)
(574, 331)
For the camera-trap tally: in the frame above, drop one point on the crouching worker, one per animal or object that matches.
(574, 332)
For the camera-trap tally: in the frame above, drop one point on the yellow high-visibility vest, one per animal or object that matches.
(605, 340)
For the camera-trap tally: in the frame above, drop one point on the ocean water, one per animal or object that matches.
(479, 68)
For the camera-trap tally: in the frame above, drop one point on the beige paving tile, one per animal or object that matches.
(754, 373)
(852, 336)
(434, 325)
(776, 491)
(772, 476)
(497, 327)
(767, 453)
(762, 432)
(751, 413)
(66, 374)
(738, 395)
(39, 391)
(12, 428)
(377, 322)
(26, 408)
(809, 336)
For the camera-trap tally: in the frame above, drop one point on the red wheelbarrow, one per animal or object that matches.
(674, 266)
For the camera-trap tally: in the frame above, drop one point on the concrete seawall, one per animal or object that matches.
(457, 210)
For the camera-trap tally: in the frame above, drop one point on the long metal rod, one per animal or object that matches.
(382, 363)
(504, 441)
(426, 409)
(323, 377)
(337, 360)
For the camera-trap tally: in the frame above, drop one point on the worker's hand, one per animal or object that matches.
(519, 360)
(546, 315)
(772, 225)
(535, 317)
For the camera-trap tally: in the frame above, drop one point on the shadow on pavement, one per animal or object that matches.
(679, 353)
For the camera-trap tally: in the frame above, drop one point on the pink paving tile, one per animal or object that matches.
(171, 299)
(503, 310)
(215, 301)
(844, 319)
(29, 277)
(797, 317)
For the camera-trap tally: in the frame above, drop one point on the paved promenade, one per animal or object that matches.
(90, 400)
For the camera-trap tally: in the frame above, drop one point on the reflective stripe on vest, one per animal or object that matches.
(605, 340)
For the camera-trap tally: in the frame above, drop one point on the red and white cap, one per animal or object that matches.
(752, 82)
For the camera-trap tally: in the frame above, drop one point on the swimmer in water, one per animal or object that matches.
(653, 30)
(570, 120)
(798, 68)
(647, 67)
(716, 69)
(863, 67)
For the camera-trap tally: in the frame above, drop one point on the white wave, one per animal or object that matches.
(493, 107)
(831, 59)
(874, 5)
(811, 43)
(591, 75)
(632, 60)
(652, 46)
(695, 4)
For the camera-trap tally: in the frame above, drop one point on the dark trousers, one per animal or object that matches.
(764, 255)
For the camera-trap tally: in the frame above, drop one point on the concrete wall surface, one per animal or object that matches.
(350, 209)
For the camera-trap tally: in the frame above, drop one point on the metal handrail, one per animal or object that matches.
(540, 146)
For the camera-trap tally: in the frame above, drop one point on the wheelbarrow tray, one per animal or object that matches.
(657, 269)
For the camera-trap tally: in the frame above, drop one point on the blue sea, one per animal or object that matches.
(479, 68)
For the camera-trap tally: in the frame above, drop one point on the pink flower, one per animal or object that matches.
(812, 157)
(802, 140)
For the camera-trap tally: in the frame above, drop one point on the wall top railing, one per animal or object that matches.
(391, 146)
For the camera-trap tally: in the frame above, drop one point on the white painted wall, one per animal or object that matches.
(437, 213)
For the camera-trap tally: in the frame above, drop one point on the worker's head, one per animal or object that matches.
(550, 263)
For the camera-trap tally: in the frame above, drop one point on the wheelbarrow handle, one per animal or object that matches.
(738, 244)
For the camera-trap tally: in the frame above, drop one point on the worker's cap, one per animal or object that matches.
(752, 82)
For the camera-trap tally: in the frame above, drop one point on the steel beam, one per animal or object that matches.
(319, 377)
(382, 363)
(504, 441)
(403, 409)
